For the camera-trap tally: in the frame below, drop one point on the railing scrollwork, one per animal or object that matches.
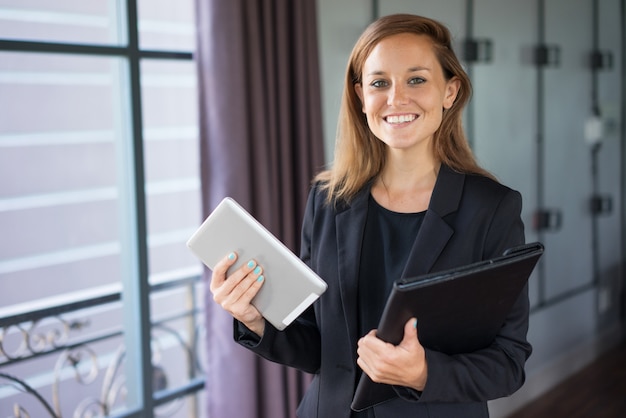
(86, 365)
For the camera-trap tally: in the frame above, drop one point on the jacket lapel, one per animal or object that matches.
(435, 233)
(350, 226)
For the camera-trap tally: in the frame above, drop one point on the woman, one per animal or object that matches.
(404, 197)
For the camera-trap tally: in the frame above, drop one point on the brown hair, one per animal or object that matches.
(359, 155)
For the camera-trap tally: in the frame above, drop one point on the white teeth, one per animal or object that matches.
(400, 119)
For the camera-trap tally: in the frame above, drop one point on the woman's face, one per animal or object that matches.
(403, 91)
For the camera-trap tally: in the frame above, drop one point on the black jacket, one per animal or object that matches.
(469, 218)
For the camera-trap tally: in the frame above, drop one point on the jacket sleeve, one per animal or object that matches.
(298, 345)
(498, 370)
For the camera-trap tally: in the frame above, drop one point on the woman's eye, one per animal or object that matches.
(379, 83)
(416, 80)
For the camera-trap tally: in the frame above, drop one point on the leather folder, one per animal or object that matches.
(458, 311)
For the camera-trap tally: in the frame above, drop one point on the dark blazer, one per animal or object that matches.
(470, 218)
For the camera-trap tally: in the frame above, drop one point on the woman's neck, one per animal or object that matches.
(406, 186)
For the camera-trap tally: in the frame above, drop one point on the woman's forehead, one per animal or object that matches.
(411, 51)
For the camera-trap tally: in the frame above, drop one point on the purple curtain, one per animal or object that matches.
(261, 143)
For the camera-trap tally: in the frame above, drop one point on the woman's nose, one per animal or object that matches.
(397, 95)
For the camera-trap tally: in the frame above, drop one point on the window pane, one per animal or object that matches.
(166, 24)
(171, 161)
(170, 114)
(61, 120)
(86, 22)
(58, 196)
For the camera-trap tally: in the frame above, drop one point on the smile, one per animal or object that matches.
(395, 119)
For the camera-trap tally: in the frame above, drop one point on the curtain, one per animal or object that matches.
(261, 143)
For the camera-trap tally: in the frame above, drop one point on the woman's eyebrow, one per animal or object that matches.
(409, 70)
(377, 73)
(419, 68)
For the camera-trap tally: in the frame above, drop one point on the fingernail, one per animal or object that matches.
(257, 270)
(415, 324)
(231, 256)
(260, 279)
(250, 264)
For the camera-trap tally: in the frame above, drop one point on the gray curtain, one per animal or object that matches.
(261, 143)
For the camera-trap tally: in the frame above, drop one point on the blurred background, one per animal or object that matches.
(101, 303)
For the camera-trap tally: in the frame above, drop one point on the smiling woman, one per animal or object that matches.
(404, 197)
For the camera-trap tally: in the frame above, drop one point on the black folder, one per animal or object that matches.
(458, 311)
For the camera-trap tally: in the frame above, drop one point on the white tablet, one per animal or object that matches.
(290, 285)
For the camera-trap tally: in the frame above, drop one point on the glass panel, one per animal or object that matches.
(60, 120)
(167, 25)
(170, 117)
(86, 22)
(57, 164)
(171, 154)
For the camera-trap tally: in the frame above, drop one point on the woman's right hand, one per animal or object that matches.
(234, 292)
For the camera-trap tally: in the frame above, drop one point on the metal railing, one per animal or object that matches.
(68, 359)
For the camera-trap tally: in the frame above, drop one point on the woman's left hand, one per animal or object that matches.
(402, 365)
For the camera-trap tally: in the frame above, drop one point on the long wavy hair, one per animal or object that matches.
(359, 155)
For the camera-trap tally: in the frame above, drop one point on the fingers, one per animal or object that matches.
(220, 269)
(409, 341)
(221, 277)
(404, 364)
(371, 352)
(234, 291)
(240, 287)
(224, 282)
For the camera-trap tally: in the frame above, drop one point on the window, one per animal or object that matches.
(99, 192)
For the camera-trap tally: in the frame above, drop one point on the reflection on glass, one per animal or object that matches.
(58, 121)
(166, 25)
(86, 22)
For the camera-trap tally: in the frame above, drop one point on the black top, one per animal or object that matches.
(387, 242)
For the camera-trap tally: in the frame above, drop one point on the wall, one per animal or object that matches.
(527, 125)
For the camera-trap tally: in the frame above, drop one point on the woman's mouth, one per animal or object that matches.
(397, 119)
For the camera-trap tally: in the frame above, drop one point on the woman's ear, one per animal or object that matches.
(452, 90)
(358, 88)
